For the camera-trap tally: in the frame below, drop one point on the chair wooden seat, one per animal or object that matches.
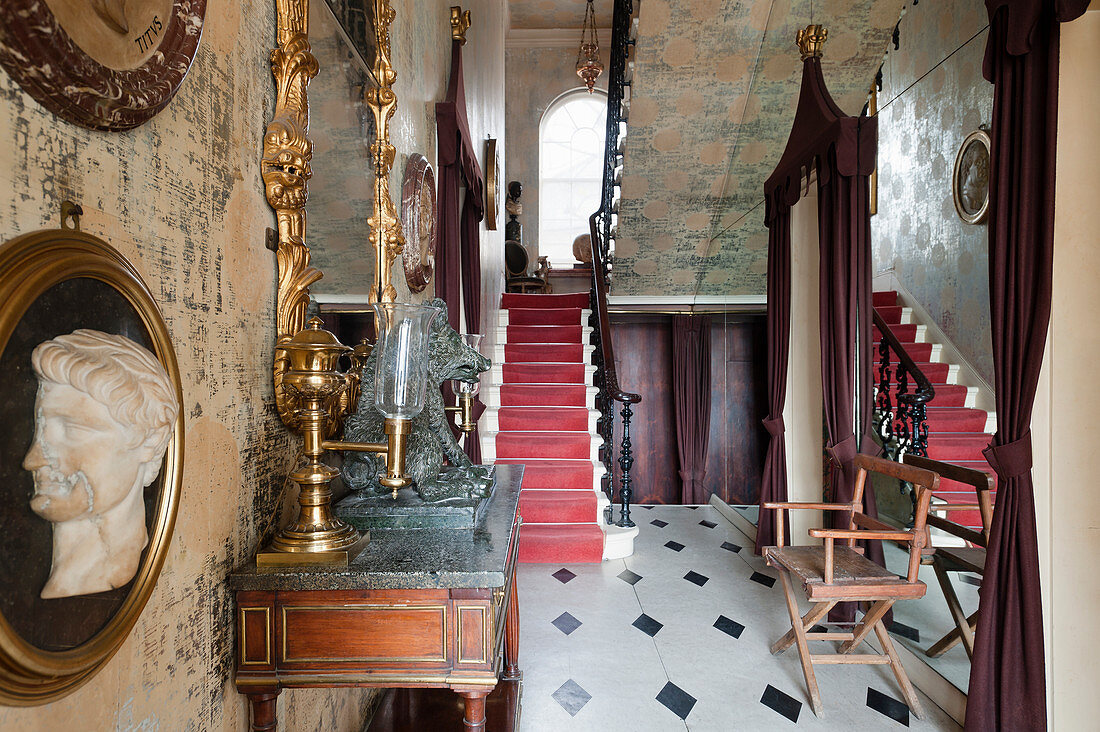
(855, 577)
(832, 574)
(962, 558)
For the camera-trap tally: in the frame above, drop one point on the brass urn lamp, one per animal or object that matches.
(316, 386)
(589, 66)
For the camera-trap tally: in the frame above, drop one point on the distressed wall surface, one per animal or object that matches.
(535, 78)
(182, 197)
(923, 119)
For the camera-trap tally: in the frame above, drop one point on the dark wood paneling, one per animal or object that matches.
(643, 359)
(735, 456)
(738, 358)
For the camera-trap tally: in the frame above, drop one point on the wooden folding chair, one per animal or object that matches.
(832, 574)
(947, 559)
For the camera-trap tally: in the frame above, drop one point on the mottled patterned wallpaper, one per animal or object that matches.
(715, 87)
(535, 77)
(937, 257)
(181, 197)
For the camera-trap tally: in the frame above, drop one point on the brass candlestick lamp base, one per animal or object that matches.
(315, 385)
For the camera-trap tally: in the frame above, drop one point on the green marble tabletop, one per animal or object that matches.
(411, 559)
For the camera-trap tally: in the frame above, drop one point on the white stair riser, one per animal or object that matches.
(502, 316)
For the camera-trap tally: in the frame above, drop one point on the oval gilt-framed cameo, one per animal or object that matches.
(492, 184)
(970, 180)
(418, 222)
(92, 457)
(103, 64)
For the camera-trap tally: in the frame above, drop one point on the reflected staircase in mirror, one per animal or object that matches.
(542, 413)
(952, 429)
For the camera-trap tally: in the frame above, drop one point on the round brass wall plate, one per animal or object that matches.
(970, 179)
(492, 184)
(418, 220)
(103, 64)
(50, 647)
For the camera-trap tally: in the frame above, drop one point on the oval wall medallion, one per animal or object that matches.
(92, 458)
(492, 184)
(418, 222)
(970, 181)
(103, 64)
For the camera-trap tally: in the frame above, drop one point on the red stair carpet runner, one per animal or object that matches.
(545, 421)
(956, 432)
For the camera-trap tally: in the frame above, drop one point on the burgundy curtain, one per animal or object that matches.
(1007, 677)
(458, 259)
(691, 397)
(773, 486)
(473, 211)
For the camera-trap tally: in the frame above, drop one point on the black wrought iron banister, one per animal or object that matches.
(900, 414)
(601, 231)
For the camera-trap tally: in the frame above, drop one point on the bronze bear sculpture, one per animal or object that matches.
(431, 438)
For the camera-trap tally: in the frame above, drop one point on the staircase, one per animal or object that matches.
(541, 413)
(957, 432)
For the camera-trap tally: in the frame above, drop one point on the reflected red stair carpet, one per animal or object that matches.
(956, 433)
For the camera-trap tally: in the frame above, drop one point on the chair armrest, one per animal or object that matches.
(861, 534)
(811, 506)
(955, 529)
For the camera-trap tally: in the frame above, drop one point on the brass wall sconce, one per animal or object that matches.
(315, 386)
(466, 391)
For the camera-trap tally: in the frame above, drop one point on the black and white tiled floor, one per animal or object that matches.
(676, 637)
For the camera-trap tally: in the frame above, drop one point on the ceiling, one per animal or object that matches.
(545, 14)
(714, 89)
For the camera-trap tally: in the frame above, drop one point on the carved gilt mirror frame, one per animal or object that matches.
(286, 170)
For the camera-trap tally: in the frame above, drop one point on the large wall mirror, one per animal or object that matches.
(342, 128)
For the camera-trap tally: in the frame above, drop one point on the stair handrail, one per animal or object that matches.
(903, 429)
(600, 231)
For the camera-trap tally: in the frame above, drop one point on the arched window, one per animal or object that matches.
(571, 147)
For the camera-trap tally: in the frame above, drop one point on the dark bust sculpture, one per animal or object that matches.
(513, 229)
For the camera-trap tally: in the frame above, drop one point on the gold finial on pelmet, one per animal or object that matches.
(811, 41)
(460, 23)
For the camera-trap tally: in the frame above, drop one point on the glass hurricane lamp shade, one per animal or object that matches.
(589, 67)
(401, 369)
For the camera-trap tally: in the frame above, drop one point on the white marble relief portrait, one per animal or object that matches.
(104, 415)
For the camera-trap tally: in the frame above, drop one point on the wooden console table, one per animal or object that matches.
(428, 608)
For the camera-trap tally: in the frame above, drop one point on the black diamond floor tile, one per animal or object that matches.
(648, 508)
(971, 579)
(678, 701)
(674, 546)
(786, 705)
(819, 629)
(647, 625)
(888, 705)
(629, 577)
(730, 547)
(563, 575)
(694, 508)
(763, 579)
(566, 623)
(696, 578)
(729, 627)
(708, 524)
(659, 523)
(905, 631)
(571, 697)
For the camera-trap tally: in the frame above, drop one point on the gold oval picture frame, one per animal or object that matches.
(492, 184)
(51, 283)
(970, 179)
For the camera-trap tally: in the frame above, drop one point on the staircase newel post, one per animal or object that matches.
(626, 460)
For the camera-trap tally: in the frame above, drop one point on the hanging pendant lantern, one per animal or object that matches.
(589, 67)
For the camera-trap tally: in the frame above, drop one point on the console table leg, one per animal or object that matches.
(511, 637)
(263, 711)
(474, 721)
